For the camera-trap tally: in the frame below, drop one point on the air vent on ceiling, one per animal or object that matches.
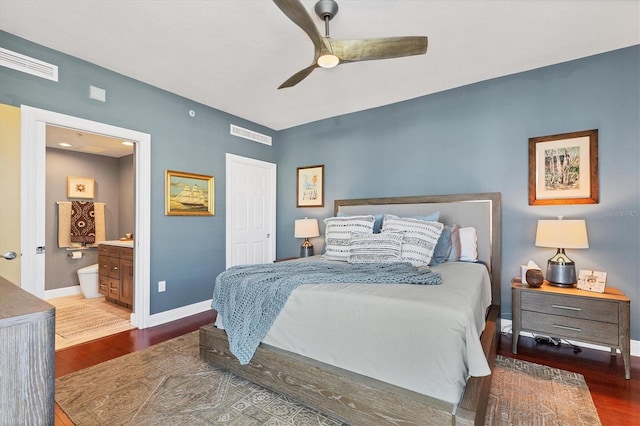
(250, 134)
(28, 65)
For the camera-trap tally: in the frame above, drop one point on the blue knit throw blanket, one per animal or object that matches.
(250, 297)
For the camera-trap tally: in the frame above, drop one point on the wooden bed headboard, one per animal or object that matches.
(481, 211)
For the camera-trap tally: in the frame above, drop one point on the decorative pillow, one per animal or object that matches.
(445, 250)
(456, 247)
(420, 237)
(337, 234)
(433, 217)
(377, 224)
(468, 244)
(385, 247)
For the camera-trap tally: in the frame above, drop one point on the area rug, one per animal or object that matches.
(170, 384)
(78, 319)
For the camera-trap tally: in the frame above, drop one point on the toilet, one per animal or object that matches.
(88, 277)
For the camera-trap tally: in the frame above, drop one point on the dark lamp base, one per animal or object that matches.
(306, 251)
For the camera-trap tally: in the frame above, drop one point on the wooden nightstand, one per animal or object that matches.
(569, 313)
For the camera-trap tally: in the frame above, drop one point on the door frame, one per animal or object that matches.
(231, 160)
(32, 204)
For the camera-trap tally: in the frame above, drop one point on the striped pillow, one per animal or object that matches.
(385, 247)
(338, 231)
(420, 237)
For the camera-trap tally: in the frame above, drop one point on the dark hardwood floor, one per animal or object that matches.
(617, 399)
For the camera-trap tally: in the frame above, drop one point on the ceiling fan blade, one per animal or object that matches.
(299, 15)
(378, 48)
(298, 77)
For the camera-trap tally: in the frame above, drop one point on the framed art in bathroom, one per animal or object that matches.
(188, 194)
(80, 187)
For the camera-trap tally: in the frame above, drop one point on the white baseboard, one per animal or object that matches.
(62, 292)
(505, 325)
(179, 313)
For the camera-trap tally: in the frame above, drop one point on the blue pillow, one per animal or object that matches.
(433, 217)
(448, 246)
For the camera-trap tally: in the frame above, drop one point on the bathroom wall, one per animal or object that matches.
(126, 196)
(111, 186)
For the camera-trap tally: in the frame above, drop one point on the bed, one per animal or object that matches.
(354, 386)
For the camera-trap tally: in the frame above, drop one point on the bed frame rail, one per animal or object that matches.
(353, 398)
(350, 397)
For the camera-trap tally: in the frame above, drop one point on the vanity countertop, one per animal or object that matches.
(119, 243)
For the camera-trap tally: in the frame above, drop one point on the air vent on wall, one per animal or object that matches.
(28, 65)
(250, 134)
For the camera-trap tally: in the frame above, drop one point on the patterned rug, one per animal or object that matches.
(77, 319)
(169, 384)
(524, 393)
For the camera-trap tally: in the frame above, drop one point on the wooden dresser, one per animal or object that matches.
(27, 355)
(569, 313)
(115, 273)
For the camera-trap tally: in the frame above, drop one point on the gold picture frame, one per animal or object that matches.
(563, 169)
(310, 186)
(80, 187)
(188, 194)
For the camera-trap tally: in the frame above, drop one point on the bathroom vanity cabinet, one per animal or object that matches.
(115, 273)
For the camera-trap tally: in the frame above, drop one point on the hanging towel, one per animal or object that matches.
(83, 222)
(64, 225)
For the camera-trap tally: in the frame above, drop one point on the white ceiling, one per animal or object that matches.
(86, 142)
(232, 55)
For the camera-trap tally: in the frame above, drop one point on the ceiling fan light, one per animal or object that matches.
(328, 61)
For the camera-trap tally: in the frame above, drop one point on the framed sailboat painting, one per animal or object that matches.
(188, 194)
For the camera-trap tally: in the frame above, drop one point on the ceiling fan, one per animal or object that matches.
(329, 52)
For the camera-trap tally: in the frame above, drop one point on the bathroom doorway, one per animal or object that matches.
(103, 166)
(34, 124)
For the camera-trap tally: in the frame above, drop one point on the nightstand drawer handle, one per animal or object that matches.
(571, 308)
(564, 327)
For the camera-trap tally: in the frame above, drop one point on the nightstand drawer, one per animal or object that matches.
(575, 307)
(570, 328)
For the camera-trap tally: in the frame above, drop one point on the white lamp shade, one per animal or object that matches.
(306, 228)
(571, 234)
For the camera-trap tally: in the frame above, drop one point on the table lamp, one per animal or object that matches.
(306, 228)
(562, 234)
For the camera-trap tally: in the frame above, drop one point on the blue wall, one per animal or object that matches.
(475, 139)
(187, 252)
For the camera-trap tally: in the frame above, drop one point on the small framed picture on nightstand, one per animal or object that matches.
(592, 280)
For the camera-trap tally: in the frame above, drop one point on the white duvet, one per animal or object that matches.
(425, 338)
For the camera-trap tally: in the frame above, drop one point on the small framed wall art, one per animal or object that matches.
(310, 186)
(188, 194)
(563, 169)
(80, 187)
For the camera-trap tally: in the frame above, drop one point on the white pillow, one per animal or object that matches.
(385, 247)
(420, 237)
(338, 231)
(468, 244)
